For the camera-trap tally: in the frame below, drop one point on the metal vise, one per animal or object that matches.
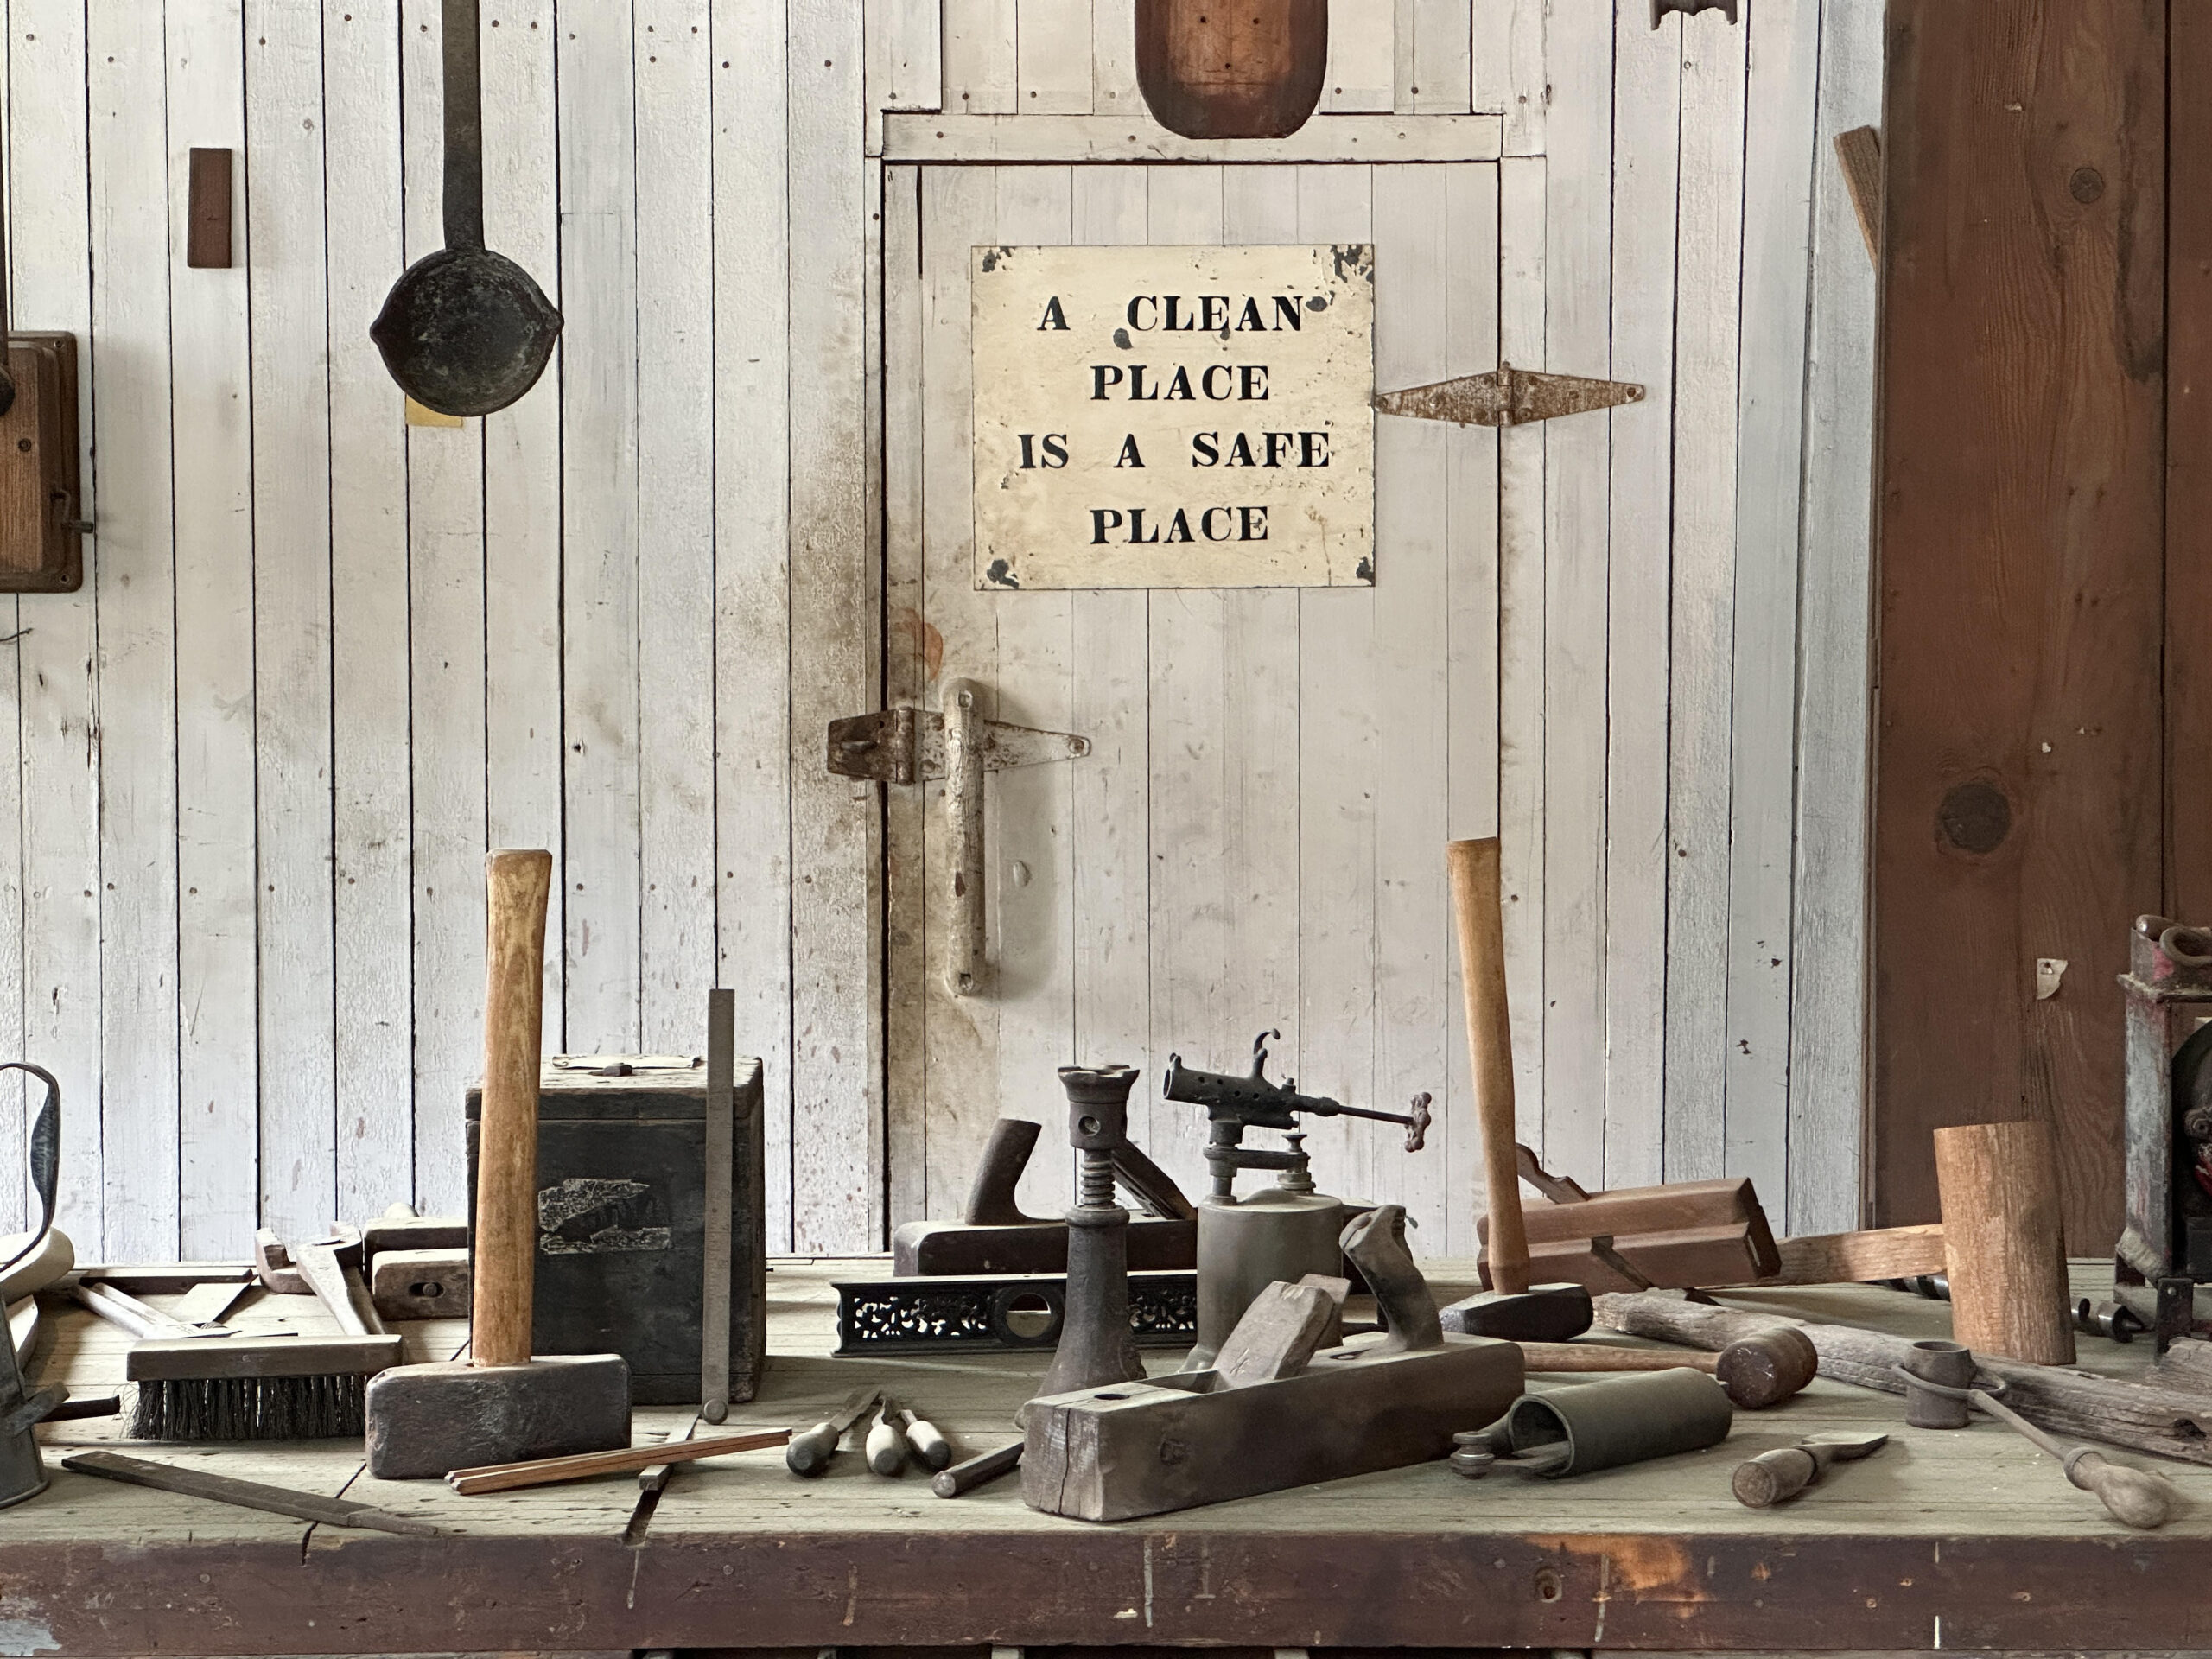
(1234, 1104)
(2166, 1248)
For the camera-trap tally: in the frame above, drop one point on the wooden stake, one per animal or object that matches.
(2004, 1241)
(1475, 903)
(516, 885)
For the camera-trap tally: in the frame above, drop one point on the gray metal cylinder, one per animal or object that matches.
(22, 1474)
(1626, 1419)
(1947, 1365)
(1245, 1245)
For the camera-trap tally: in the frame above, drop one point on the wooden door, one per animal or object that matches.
(1256, 838)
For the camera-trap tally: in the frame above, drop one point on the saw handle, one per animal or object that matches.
(1473, 866)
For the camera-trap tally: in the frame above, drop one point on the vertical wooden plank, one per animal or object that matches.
(1511, 77)
(2188, 467)
(980, 44)
(2021, 575)
(905, 69)
(1472, 596)
(522, 474)
(290, 659)
(1707, 274)
(1443, 61)
(1411, 768)
(135, 598)
(836, 824)
(15, 1190)
(1521, 641)
(374, 956)
(1114, 58)
(1363, 58)
(1578, 49)
(675, 517)
(1052, 57)
(1781, 86)
(600, 455)
(1112, 652)
(1828, 1026)
(1339, 658)
(754, 735)
(1647, 118)
(1029, 880)
(51, 286)
(445, 565)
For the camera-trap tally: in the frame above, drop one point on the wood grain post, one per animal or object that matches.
(1475, 903)
(2004, 1239)
(516, 888)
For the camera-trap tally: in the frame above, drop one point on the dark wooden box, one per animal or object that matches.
(41, 539)
(621, 1198)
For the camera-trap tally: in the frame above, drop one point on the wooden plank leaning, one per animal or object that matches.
(2171, 1422)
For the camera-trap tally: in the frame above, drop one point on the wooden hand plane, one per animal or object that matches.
(1175, 1441)
(994, 1237)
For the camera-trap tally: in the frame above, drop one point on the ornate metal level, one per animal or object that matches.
(1020, 1310)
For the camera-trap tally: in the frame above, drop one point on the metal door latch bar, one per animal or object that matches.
(1507, 397)
(958, 746)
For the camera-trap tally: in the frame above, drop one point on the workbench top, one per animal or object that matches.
(1962, 1539)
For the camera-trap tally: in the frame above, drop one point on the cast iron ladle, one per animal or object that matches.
(465, 331)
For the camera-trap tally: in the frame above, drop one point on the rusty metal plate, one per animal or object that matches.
(1507, 397)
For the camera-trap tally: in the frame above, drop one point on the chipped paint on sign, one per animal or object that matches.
(1174, 417)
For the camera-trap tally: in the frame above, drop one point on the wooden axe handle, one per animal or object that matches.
(516, 885)
(1475, 902)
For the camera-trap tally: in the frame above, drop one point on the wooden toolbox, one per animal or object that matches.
(622, 1223)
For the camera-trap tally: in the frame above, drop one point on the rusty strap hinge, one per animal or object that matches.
(912, 745)
(1507, 397)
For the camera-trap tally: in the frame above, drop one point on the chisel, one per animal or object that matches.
(810, 1452)
(1789, 1470)
(887, 1446)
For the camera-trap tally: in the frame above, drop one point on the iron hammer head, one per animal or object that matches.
(426, 1419)
(1540, 1313)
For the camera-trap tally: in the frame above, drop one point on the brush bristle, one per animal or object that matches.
(252, 1408)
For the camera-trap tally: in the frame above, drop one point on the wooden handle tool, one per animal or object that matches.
(1789, 1470)
(1473, 866)
(887, 1445)
(810, 1450)
(516, 885)
(544, 1471)
(977, 1471)
(333, 1270)
(930, 1448)
(2138, 1497)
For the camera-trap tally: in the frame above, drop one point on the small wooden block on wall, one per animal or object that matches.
(207, 214)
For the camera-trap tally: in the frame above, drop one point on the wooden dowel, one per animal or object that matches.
(544, 1471)
(1593, 1357)
(516, 885)
(1475, 906)
(2004, 1241)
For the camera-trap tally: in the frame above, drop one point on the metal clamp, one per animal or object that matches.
(912, 745)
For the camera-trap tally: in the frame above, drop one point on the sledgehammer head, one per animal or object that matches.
(1540, 1313)
(425, 1420)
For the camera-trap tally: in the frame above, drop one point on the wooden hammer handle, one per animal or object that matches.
(516, 885)
(1474, 869)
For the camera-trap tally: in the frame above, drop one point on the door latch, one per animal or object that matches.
(919, 745)
(1507, 397)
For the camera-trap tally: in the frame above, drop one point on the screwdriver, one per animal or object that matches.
(809, 1453)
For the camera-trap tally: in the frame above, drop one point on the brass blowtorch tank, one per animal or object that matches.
(1282, 1232)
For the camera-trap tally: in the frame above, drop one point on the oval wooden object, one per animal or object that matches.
(516, 886)
(2004, 1239)
(1232, 68)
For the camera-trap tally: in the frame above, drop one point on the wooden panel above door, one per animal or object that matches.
(2018, 758)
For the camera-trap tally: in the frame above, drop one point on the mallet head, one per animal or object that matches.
(426, 1419)
(1540, 1313)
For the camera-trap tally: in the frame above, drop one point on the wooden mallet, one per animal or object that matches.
(1512, 1308)
(500, 1405)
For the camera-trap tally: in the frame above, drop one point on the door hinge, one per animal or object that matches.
(1507, 397)
(910, 746)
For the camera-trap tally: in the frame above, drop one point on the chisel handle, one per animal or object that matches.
(887, 1446)
(810, 1452)
(1772, 1475)
(924, 1441)
(976, 1472)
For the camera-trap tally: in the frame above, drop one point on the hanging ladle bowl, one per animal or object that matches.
(465, 331)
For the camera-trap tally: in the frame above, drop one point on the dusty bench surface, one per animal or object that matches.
(1964, 1539)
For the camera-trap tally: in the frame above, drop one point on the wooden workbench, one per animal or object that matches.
(1966, 1539)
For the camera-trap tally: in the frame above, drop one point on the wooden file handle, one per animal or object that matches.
(1474, 869)
(516, 885)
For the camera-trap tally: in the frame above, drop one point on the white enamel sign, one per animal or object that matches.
(1174, 417)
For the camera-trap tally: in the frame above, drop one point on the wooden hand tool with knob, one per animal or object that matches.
(1789, 1470)
(887, 1442)
(1511, 1308)
(810, 1450)
(501, 1406)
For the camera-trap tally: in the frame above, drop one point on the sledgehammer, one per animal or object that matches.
(1512, 1308)
(500, 1405)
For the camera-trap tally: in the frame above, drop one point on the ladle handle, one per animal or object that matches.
(464, 157)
